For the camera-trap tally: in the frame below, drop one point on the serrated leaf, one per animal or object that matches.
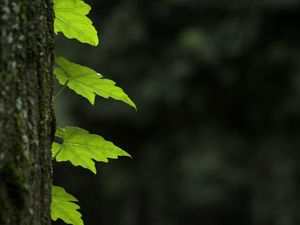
(87, 82)
(81, 148)
(63, 207)
(71, 19)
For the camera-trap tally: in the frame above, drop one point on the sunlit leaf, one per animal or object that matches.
(87, 82)
(81, 148)
(71, 19)
(63, 207)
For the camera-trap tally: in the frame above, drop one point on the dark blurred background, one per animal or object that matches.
(216, 138)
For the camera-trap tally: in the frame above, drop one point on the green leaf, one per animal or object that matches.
(87, 82)
(71, 19)
(81, 148)
(63, 207)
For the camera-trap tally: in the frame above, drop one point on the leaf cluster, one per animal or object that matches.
(78, 146)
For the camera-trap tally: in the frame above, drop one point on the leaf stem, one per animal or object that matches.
(60, 91)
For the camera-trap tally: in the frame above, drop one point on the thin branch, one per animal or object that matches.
(60, 91)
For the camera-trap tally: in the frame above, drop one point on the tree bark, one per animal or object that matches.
(26, 113)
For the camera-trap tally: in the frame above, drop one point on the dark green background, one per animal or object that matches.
(216, 138)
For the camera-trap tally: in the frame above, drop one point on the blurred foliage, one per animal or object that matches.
(216, 136)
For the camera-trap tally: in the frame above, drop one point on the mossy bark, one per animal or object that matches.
(26, 115)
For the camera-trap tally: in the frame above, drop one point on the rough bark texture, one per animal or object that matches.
(26, 118)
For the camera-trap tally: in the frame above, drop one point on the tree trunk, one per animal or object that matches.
(26, 114)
